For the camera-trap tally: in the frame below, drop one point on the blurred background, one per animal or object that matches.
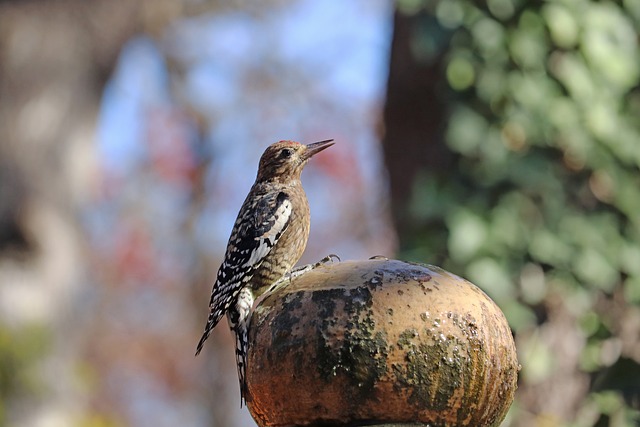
(499, 139)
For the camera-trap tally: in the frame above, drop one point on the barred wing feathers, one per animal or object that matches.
(257, 229)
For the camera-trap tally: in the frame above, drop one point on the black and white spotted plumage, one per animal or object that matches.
(268, 239)
(259, 226)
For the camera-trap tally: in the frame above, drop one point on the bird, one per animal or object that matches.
(268, 238)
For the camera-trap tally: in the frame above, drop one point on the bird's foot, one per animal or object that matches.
(299, 271)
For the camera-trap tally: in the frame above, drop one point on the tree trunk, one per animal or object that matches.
(415, 111)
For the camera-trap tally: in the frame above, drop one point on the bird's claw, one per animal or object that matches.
(329, 258)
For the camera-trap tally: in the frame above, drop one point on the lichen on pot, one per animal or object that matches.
(380, 341)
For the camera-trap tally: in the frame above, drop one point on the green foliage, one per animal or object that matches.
(19, 351)
(544, 202)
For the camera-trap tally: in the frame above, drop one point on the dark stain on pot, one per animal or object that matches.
(406, 272)
(286, 319)
(414, 275)
(325, 301)
(376, 281)
(284, 322)
(433, 268)
(361, 353)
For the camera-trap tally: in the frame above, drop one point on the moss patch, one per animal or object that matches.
(435, 367)
(356, 350)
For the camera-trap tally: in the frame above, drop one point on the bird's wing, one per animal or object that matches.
(258, 228)
(268, 220)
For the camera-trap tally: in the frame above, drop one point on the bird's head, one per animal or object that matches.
(284, 160)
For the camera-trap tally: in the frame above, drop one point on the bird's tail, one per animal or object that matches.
(241, 334)
(212, 321)
(239, 317)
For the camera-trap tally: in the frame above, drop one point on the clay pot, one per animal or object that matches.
(378, 342)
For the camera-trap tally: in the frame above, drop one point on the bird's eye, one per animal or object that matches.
(285, 153)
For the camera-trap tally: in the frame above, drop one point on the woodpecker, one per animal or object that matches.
(267, 240)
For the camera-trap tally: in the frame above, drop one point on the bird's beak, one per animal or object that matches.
(316, 147)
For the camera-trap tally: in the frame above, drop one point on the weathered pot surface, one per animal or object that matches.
(380, 342)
